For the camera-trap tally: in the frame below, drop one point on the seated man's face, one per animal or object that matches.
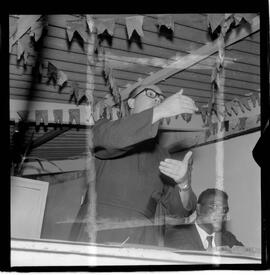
(213, 212)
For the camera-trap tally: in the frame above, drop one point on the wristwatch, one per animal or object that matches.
(186, 187)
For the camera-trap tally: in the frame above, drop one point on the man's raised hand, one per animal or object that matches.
(176, 169)
(176, 104)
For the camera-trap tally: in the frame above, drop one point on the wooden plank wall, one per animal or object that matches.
(136, 59)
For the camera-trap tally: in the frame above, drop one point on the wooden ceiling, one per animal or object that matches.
(130, 61)
(133, 60)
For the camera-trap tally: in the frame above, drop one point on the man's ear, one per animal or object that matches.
(131, 102)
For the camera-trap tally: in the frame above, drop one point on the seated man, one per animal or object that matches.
(208, 231)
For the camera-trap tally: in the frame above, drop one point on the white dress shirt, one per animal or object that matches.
(203, 235)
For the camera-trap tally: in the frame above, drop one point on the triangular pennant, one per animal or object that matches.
(235, 107)
(226, 25)
(41, 116)
(74, 91)
(247, 16)
(74, 114)
(257, 97)
(24, 47)
(216, 112)
(186, 117)
(168, 120)
(111, 82)
(70, 33)
(58, 116)
(20, 50)
(134, 23)
(38, 69)
(166, 20)
(123, 108)
(107, 71)
(118, 114)
(228, 109)
(12, 30)
(90, 22)
(116, 95)
(23, 115)
(222, 126)
(61, 78)
(103, 25)
(231, 107)
(258, 118)
(52, 73)
(89, 95)
(253, 100)
(214, 128)
(227, 124)
(244, 102)
(214, 20)
(227, 15)
(207, 133)
(203, 111)
(76, 25)
(36, 30)
(238, 101)
(81, 29)
(82, 97)
(109, 101)
(242, 123)
(108, 112)
(96, 111)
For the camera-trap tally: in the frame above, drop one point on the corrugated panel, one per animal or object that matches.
(131, 61)
(71, 144)
(72, 59)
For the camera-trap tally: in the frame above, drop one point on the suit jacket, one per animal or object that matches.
(187, 237)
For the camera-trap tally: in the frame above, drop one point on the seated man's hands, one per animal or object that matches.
(178, 170)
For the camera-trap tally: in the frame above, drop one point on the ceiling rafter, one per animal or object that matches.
(193, 58)
(48, 136)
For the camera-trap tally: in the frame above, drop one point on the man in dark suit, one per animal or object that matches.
(208, 231)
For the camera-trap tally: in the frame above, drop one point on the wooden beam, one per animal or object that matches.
(22, 105)
(48, 136)
(194, 57)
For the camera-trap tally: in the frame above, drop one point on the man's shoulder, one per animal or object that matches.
(228, 238)
(181, 236)
(180, 229)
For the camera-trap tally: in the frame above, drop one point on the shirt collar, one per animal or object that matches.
(203, 235)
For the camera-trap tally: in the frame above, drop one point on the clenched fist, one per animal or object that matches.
(176, 169)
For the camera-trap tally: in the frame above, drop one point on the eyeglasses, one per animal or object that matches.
(218, 208)
(152, 94)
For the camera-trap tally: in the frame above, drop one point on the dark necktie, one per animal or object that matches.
(209, 240)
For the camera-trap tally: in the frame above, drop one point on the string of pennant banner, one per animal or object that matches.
(115, 108)
(225, 124)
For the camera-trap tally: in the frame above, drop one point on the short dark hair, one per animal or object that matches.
(209, 192)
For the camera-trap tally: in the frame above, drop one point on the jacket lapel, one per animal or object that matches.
(197, 239)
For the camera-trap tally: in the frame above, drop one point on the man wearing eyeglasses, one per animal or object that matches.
(208, 231)
(137, 182)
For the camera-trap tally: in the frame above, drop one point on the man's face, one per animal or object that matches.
(146, 100)
(212, 212)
